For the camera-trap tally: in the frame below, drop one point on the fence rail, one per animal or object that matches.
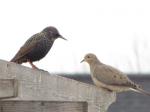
(40, 91)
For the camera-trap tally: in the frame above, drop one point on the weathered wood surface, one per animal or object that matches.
(38, 85)
(35, 106)
(8, 88)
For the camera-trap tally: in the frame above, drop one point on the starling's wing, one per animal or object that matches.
(111, 76)
(28, 46)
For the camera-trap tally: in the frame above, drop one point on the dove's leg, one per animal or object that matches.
(33, 66)
(107, 89)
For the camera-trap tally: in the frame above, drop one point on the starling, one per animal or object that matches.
(110, 78)
(37, 46)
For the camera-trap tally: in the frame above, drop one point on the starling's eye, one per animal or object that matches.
(57, 35)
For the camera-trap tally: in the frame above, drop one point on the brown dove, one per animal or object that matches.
(110, 78)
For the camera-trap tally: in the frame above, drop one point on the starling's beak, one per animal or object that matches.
(62, 37)
(82, 61)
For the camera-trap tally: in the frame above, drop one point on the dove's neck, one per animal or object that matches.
(93, 64)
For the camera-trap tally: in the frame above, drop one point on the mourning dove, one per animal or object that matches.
(37, 46)
(110, 78)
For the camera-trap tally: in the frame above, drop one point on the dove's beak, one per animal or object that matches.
(62, 37)
(82, 61)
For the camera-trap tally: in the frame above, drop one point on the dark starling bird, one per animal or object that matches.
(36, 47)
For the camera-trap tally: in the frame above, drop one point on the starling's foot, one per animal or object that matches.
(33, 66)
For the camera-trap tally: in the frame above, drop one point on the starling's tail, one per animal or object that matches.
(12, 60)
(16, 61)
(140, 90)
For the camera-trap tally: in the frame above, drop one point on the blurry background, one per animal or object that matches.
(117, 31)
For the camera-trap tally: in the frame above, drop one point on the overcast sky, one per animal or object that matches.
(117, 31)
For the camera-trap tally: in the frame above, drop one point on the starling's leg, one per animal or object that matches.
(33, 66)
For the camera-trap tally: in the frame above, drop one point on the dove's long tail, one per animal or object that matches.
(140, 90)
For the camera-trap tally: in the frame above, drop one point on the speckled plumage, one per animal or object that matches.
(37, 46)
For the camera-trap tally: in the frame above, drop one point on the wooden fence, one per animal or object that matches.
(23, 89)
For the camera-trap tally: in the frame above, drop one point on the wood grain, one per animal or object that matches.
(57, 92)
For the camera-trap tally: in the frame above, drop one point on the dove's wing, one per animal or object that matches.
(28, 46)
(111, 76)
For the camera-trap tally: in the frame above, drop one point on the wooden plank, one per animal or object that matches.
(39, 85)
(41, 106)
(8, 88)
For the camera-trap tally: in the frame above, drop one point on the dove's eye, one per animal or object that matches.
(88, 56)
